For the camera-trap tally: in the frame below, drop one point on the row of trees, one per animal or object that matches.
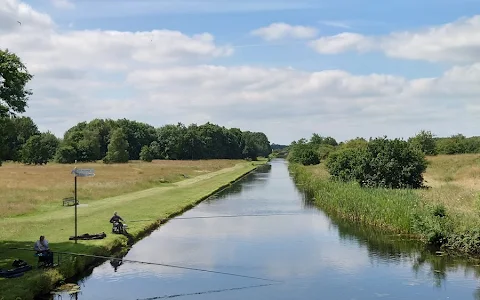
(379, 162)
(109, 140)
(123, 140)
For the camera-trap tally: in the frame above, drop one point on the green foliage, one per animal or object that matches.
(433, 224)
(18, 131)
(424, 141)
(383, 163)
(324, 151)
(66, 154)
(304, 154)
(347, 164)
(454, 145)
(146, 154)
(355, 143)
(117, 148)
(14, 77)
(51, 143)
(35, 151)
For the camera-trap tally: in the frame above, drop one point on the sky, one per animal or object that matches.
(340, 68)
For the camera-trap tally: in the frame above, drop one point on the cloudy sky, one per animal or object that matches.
(343, 68)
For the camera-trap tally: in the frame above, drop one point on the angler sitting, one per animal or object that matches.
(43, 251)
(117, 225)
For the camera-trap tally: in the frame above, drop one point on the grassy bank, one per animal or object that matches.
(58, 224)
(445, 215)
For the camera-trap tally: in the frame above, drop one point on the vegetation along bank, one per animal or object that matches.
(395, 185)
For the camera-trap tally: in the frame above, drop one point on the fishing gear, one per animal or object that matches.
(207, 292)
(151, 263)
(214, 217)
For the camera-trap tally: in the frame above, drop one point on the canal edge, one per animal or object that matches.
(119, 249)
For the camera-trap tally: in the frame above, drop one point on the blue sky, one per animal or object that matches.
(231, 21)
(381, 83)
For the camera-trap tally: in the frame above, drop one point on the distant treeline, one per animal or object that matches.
(424, 140)
(393, 163)
(122, 140)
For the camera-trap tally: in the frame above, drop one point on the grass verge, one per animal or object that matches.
(156, 203)
(446, 215)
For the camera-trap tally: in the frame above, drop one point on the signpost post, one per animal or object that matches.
(80, 173)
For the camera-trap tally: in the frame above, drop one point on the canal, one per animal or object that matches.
(312, 255)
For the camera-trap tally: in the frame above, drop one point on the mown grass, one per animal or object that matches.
(446, 214)
(28, 189)
(58, 225)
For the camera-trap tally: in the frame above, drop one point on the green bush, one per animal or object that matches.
(383, 163)
(304, 154)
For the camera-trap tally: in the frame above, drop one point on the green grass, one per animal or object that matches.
(58, 226)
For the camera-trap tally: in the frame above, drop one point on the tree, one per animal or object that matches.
(19, 130)
(34, 151)
(66, 154)
(51, 143)
(425, 141)
(13, 78)
(383, 163)
(316, 139)
(330, 141)
(155, 150)
(146, 154)
(304, 154)
(117, 148)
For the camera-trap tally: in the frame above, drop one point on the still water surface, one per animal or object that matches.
(315, 257)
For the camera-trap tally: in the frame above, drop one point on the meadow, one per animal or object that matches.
(29, 189)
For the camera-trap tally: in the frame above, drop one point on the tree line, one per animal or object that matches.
(118, 141)
(379, 162)
(113, 141)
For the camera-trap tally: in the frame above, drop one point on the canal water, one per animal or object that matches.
(311, 255)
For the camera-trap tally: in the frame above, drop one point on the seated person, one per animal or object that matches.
(43, 251)
(116, 218)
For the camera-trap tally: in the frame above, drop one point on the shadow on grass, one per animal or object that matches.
(42, 280)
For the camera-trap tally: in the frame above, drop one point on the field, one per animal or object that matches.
(28, 189)
(454, 182)
(141, 209)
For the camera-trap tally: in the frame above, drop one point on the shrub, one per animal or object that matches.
(383, 163)
(304, 154)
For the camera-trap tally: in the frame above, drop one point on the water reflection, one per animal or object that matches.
(311, 253)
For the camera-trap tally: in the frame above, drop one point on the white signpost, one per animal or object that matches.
(80, 173)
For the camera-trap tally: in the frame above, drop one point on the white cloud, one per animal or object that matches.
(340, 24)
(457, 42)
(167, 76)
(278, 31)
(341, 43)
(63, 4)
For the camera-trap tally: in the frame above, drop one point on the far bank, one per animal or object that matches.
(148, 205)
(445, 216)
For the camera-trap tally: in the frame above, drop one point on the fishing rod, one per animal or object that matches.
(151, 263)
(215, 217)
(207, 292)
